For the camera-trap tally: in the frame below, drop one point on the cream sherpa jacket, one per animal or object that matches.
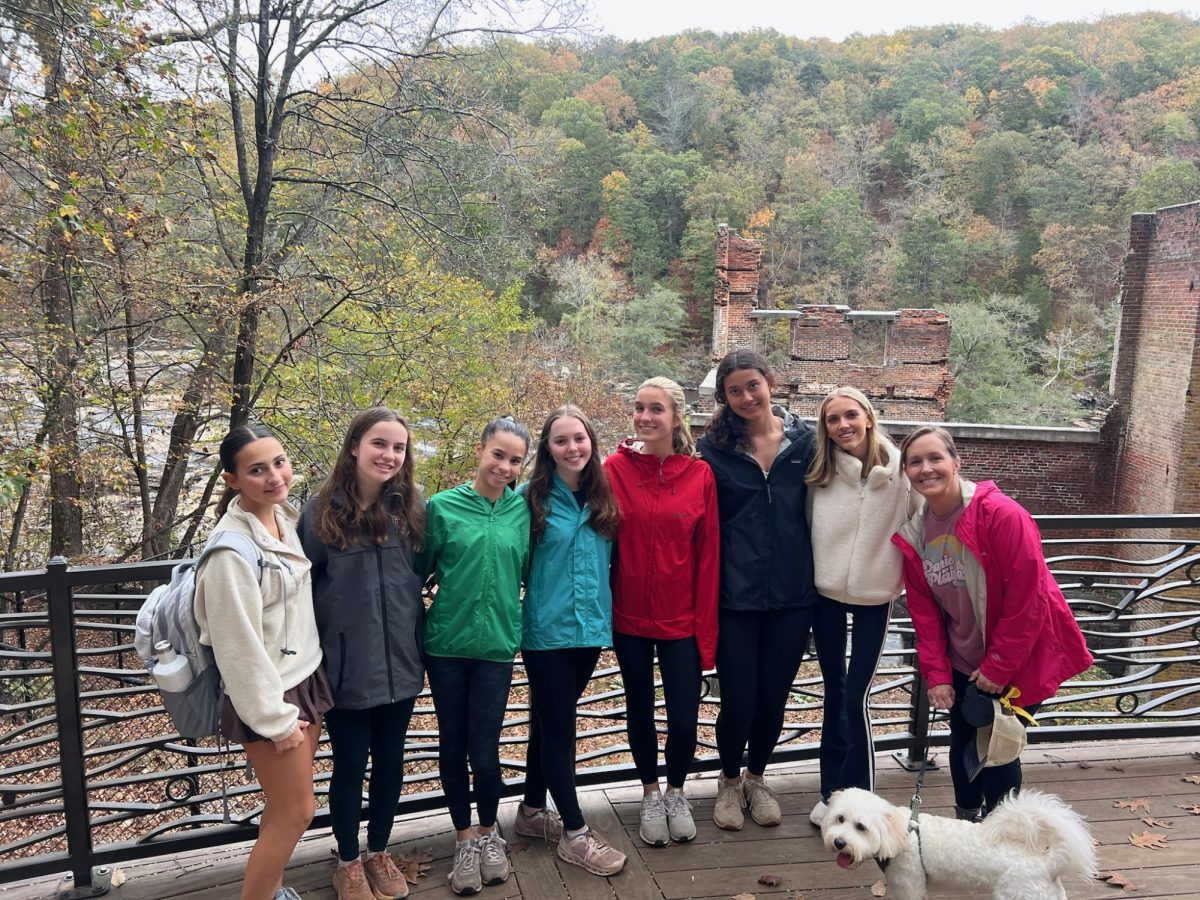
(852, 524)
(265, 639)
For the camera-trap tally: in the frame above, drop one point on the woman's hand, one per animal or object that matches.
(942, 696)
(293, 740)
(986, 684)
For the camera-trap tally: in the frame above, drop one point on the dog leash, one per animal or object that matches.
(914, 806)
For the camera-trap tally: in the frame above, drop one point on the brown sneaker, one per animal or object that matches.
(384, 877)
(543, 824)
(762, 802)
(350, 882)
(591, 852)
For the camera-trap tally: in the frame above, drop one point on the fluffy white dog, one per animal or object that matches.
(1019, 852)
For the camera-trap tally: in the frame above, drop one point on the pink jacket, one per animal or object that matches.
(1031, 639)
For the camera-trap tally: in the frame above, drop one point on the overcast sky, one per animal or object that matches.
(638, 19)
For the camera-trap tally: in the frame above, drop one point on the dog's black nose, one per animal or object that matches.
(839, 844)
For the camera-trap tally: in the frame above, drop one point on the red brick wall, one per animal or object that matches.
(1153, 429)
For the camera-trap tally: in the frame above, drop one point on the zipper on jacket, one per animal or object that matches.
(387, 641)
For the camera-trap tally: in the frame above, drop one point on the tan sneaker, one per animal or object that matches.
(464, 876)
(494, 867)
(727, 812)
(384, 877)
(350, 882)
(544, 824)
(591, 852)
(761, 801)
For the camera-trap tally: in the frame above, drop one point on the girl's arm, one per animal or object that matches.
(706, 546)
(1013, 543)
(426, 559)
(229, 606)
(314, 547)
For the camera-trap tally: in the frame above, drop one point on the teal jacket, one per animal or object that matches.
(568, 602)
(477, 552)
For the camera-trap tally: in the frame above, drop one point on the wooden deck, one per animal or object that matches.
(720, 865)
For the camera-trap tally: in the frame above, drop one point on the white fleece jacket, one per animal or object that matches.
(250, 628)
(852, 527)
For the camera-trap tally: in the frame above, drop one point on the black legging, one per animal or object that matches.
(679, 662)
(847, 751)
(758, 655)
(469, 697)
(557, 679)
(993, 783)
(379, 731)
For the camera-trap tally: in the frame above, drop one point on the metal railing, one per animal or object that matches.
(91, 773)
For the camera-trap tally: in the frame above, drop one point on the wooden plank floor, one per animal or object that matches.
(719, 865)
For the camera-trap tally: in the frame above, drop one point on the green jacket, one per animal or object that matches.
(477, 553)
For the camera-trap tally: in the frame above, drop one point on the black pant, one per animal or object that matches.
(847, 751)
(469, 696)
(557, 679)
(379, 731)
(679, 663)
(758, 655)
(993, 783)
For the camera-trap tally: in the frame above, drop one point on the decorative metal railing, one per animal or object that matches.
(91, 773)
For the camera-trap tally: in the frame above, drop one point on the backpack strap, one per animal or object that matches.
(245, 547)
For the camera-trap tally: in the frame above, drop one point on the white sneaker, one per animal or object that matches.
(817, 816)
(680, 824)
(653, 825)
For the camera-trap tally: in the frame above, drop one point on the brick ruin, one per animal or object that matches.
(1145, 458)
(898, 359)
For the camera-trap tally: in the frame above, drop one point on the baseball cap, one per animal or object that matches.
(997, 744)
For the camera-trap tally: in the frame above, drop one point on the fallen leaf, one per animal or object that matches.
(1116, 768)
(1149, 840)
(1084, 764)
(879, 889)
(1133, 804)
(516, 846)
(797, 896)
(1158, 823)
(770, 880)
(744, 897)
(118, 877)
(1190, 807)
(1116, 879)
(1192, 779)
(1057, 760)
(1196, 754)
(417, 864)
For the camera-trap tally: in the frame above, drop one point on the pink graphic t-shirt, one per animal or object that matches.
(943, 557)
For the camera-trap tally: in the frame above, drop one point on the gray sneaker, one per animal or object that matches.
(762, 802)
(464, 877)
(727, 811)
(493, 857)
(680, 824)
(543, 824)
(286, 893)
(653, 825)
(591, 852)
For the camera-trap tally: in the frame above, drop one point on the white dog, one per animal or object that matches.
(1019, 852)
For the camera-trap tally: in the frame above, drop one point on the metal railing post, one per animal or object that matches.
(70, 728)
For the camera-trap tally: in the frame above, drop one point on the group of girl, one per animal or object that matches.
(725, 553)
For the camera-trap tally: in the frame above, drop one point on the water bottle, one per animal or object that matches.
(172, 671)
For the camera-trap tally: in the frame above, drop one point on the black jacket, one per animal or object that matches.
(367, 600)
(766, 554)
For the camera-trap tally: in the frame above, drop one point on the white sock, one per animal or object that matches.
(577, 832)
(371, 854)
(342, 863)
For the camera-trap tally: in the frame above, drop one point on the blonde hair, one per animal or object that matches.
(824, 464)
(681, 435)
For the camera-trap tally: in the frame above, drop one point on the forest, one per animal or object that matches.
(215, 211)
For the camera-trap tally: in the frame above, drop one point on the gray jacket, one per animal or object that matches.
(367, 600)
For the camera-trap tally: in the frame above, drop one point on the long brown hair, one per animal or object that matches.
(341, 520)
(824, 464)
(605, 514)
(726, 429)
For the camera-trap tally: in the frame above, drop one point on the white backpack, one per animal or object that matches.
(169, 614)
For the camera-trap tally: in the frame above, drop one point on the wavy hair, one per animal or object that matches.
(340, 518)
(726, 429)
(681, 434)
(824, 464)
(605, 515)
